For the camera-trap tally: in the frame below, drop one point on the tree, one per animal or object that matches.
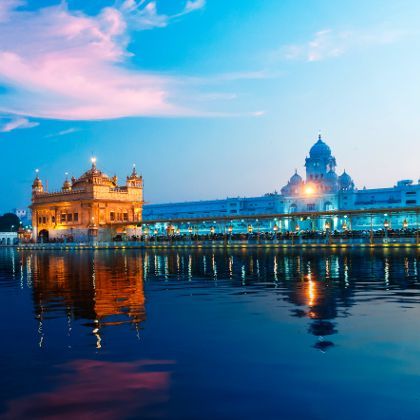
(9, 222)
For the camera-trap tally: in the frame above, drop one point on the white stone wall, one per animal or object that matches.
(8, 238)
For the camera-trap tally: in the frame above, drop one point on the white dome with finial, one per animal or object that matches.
(320, 149)
(296, 178)
(345, 181)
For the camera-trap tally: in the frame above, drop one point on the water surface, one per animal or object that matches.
(187, 335)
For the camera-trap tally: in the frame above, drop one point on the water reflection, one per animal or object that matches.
(250, 324)
(103, 289)
(107, 288)
(98, 390)
(321, 286)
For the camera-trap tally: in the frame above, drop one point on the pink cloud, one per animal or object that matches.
(98, 390)
(7, 7)
(62, 64)
(17, 123)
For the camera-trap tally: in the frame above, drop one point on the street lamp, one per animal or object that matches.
(386, 224)
(230, 229)
(405, 224)
(275, 228)
(297, 228)
(250, 229)
(212, 230)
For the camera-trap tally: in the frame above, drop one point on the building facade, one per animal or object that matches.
(91, 207)
(323, 189)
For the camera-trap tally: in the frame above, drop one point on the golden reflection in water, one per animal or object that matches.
(311, 294)
(107, 289)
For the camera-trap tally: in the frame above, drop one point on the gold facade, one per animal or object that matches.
(92, 206)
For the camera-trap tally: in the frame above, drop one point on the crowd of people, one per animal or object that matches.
(273, 236)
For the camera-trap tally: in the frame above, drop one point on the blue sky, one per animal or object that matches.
(209, 98)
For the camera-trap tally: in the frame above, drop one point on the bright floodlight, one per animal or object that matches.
(309, 190)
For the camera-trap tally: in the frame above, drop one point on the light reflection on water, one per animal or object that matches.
(121, 334)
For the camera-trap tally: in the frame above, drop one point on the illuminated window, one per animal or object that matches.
(112, 216)
(76, 217)
(40, 220)
(125, 217)
(63, 217)
(53, 219)
(44, 220)
(70, 217)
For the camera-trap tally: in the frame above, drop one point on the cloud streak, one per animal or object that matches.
(329, 43)
(62, 64)
(65, 132)
(17, 123)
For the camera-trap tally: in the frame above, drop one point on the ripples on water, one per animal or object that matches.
(238, 334)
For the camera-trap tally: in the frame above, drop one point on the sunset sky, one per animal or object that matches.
(210, 98)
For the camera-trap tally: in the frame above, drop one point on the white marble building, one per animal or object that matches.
(321, 190)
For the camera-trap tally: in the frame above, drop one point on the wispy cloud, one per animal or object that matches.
(63, 132)
(329, 43)
(62, 64)
(143, 14)
(7, 7)
(16, 123)
(194, 5)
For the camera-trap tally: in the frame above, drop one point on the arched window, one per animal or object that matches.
(293, 208)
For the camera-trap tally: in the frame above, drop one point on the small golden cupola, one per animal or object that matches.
(134, 180)
(67, 184)
(37, 186)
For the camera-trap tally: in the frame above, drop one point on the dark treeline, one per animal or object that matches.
(9, 222)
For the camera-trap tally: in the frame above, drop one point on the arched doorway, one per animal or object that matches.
(328, 206)
(43, 235)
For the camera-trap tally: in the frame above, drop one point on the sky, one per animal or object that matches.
(209, 98)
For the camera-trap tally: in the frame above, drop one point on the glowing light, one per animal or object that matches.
(311, 291)
(309, 189)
